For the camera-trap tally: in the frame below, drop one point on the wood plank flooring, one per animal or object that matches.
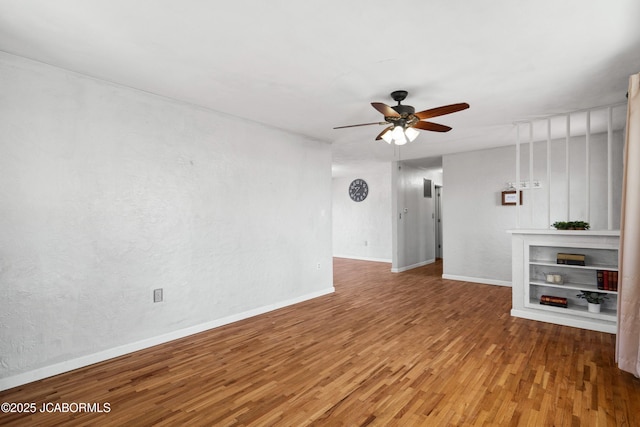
(407, 349)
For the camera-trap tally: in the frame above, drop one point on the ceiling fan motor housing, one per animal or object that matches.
(404, 110)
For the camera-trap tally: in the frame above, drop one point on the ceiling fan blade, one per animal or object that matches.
(385, 109)
(435, 127)
(363, 124)
(383, 132)
(441, 111)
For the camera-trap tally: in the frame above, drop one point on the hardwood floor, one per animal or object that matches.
(407, 349)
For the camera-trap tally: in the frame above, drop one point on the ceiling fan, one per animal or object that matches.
(404, 121)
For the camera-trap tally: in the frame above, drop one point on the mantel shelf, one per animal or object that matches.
(552, 232)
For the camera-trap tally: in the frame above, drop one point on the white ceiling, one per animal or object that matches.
(307, 66)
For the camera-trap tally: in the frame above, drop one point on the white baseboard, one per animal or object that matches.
(363, 258)
(90, 359)
(410, 267)
(477, 280)
(566, 320)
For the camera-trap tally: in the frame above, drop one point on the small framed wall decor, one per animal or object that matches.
(509, 198)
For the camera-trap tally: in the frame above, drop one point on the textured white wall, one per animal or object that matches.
(108, 193)
(362, 230)
(474, 223)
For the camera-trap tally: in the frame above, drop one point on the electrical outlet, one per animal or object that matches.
(318, 266)
(157, 295)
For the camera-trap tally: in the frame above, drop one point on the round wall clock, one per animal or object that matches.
(358, 190)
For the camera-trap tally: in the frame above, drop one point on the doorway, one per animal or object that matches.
(438, 221)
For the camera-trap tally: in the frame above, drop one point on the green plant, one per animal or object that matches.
(579, 225)
(571, 225)
(593, 297)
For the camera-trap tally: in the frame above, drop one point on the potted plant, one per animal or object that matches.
(571, 225)
(579, 225)
(594, 299)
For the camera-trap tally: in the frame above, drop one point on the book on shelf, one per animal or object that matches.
(607, 280)
(554, 304)
(553, 300)
(600, 279)
(570, 259)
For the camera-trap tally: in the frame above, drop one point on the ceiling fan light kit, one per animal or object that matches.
(411, 134)
(404, 121)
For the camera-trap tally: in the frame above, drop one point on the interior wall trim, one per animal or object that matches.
(477, 280)
(361, 258)
(101, 356)
(412, 266)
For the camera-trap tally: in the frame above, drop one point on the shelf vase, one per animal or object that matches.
(593, 308)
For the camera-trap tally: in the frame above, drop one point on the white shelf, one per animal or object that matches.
(607, 267)
(572, 286)
(572, 233)
(534, 255)
(576, 310)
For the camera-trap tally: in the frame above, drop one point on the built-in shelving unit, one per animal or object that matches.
(534, 254)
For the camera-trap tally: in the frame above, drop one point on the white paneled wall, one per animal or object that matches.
(569, 168)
